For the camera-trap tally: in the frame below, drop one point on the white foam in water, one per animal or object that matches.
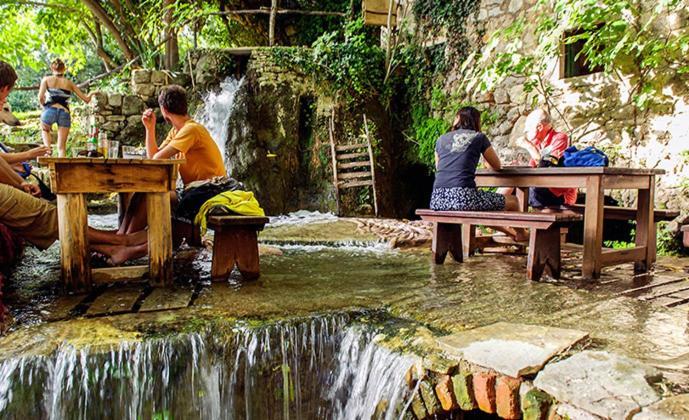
(322, 367)
(217, 109)
(302, 217)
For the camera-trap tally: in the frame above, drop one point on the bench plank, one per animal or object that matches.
(498, 215)
(233, 220)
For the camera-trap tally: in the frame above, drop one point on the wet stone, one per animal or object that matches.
(676, 407)
(462, 385)
(600, 383)
(165, 298)
(535, 403)
(484, 391)
(418, 408)
(512, 349)
(444, 391)
(429, 399)
(115, 301)
(507, 397)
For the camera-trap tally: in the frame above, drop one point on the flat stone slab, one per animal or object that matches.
(511, 349)
(162, 299)
(672, 408)
(115, 300)
(600, 383)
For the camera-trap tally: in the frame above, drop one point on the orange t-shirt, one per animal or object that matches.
(196, 145)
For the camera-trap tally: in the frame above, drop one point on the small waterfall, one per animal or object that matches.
(217, 109)
(321, 367)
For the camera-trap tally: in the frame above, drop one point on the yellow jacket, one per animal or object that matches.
(240, 202)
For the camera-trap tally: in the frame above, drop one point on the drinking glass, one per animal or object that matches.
(131, 152)
(113, 149)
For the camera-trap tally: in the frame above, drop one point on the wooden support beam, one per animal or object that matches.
(354, 165)
(352, 156)
(272, 22)
(354, 175)
(353, 184)
(347, 147)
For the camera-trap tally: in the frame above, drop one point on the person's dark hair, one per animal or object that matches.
(174, 99)
(7, 75)
(468, 118)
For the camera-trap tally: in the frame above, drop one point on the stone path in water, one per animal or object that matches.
(494, 341)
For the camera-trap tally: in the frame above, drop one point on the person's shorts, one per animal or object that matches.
(52, 115)
(466, 199)
(543, 197)
(31, 218)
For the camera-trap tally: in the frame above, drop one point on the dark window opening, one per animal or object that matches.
(573, 60)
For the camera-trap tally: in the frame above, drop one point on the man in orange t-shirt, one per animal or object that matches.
(542, 141)
(187, 139)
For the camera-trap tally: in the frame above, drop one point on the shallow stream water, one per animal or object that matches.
(324, 333)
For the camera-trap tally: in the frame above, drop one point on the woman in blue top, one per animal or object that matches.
(457, 154)
(53, 95)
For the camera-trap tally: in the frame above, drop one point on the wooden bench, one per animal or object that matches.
(544, 239)
(235, 243)
(685, 233)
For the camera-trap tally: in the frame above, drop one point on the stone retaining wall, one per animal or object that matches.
(119, 115)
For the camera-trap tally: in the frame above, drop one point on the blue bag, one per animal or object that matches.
(589, 156)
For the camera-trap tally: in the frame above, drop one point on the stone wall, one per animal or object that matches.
(119, 115)
(595, 110)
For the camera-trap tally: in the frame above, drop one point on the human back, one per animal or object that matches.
(203, 159)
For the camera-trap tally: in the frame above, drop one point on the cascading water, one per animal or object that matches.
(217, 109)
(322, 367)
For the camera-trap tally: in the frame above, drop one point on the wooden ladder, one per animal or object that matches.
(353, 164)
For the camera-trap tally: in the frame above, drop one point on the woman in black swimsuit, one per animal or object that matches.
(53, 96)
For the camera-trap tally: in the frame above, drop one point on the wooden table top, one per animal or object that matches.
(597, 170)
(101, 161)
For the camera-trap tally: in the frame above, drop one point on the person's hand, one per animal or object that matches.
(39, 151)
(148, 118)
(30, 189)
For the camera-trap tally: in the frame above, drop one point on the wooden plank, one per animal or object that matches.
(628, 213)
(370, 151)
(352, 156)
(219, 221)
(162, 299)
(619, 256)
(235, 245)
(593, 228)
(63, 307)
(100, 161)
(115, 274)
(498, 215)
(350, 165)
(523, 198)
(159, 238)
(446, 238)
(505, 222)
(347, 147)
(115, 300)
(645, 228)
(585, 171)
(544, 254)
(74, 246)
(531, 180)
(611, 182)
(88, 177)
(353, 184)
(353, 175)
(333, 153)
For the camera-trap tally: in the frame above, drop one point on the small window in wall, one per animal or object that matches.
(573, 61)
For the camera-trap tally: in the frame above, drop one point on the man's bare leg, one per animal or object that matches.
(118, 254)
(136, 216)
(100, 237)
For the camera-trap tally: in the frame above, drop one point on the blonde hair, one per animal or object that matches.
(57, 66)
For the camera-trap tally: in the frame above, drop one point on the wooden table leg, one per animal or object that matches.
(646, 227)
(446, 238)
(593, 228)
(468, 240)
(523, 198)
(74, 245)
(159, 238)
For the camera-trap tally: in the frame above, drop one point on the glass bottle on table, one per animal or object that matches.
(92, 143)
(103, 144)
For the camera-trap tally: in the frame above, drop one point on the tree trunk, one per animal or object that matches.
(171, 44)
(102, 15)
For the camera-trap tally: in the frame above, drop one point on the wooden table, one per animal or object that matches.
(72, 178)
(594, 180)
